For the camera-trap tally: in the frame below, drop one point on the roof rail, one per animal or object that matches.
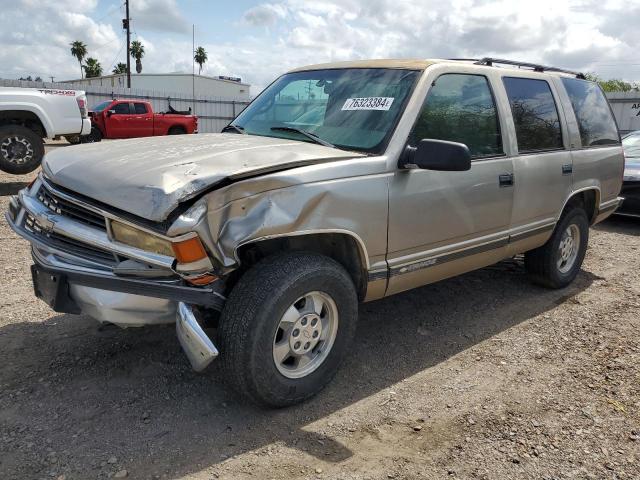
(489, 61)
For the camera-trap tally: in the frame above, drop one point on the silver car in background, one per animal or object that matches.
(631, 182)
(340, 183)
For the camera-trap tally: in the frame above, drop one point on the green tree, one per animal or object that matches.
(613, 84)
(137, 52)
(79, 50)
(92, 68)
(200, 57)
(120, 68)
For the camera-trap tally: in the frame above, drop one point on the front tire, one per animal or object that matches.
(286, 327)
(557, 263)
(21, 149)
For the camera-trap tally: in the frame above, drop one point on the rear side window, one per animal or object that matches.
(460, 108)
(534, 114)
(140, 108)
(121, 108)
(596, 124)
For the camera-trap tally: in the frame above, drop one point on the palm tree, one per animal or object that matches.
(137, 52)
(92, 68)
(200, 57)
(79, 50)
(120, 68)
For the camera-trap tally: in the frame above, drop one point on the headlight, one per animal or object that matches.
(185, 251)
(137, 238)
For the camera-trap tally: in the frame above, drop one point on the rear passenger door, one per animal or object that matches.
(542, 163)
(445, 223)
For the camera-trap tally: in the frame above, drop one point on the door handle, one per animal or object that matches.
(567, 168)
(506, 179)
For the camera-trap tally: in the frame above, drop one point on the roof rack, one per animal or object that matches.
(489, 61)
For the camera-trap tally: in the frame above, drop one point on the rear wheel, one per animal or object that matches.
(177, 131)
(557, 263)
(286, 327)
(21, 149)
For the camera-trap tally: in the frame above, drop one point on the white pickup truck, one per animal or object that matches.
(29, 115)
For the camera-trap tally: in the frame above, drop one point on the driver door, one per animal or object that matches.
(441, 223)
(118, 122)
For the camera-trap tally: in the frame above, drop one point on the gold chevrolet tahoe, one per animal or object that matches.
(340, 183)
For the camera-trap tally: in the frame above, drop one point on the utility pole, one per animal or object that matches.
(52, 79)
(126, 25)
(193, 66)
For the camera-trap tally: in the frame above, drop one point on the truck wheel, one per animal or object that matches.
(557, 262)
(177, 131)
(21, 149)
(286, 327)
(94, 136)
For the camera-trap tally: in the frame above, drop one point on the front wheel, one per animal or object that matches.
(557, 263)
(286, 327)
(21, 149)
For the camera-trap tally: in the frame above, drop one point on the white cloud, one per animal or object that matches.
(265, 15)
(158, 15)
(599, 36)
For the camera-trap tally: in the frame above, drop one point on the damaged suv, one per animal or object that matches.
(340, 183)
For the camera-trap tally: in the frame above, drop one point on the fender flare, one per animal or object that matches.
(36, 110)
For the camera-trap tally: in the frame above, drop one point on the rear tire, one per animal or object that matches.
(177, 131)
(557, 263)
(21, 149)
(286, 327)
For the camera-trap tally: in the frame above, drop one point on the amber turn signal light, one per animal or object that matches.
(189, 251)
(205, 279)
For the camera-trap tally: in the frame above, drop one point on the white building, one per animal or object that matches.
(180, 83)
(626, 108)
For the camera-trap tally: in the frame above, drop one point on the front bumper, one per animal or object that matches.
(76, 284)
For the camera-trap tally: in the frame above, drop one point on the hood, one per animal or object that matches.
(149, 177)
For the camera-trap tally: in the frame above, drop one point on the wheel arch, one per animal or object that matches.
(588, 197)
(29, 116)
(343, 246)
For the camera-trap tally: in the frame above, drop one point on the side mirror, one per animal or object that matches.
(110, 112)
(437, 155)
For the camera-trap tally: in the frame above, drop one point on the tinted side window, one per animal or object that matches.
(140, 108)
(596, 124)
(121, 108)
(460, 108)
(534, 114)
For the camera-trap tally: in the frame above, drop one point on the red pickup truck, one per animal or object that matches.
(135, 118)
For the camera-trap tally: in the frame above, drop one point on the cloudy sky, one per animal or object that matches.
(257, 41)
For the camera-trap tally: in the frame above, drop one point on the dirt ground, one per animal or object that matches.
(482, 376)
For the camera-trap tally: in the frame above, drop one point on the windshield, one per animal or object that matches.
(631, 145)
(354, 109)
(101, 106)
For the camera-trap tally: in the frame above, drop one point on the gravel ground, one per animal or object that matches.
(482, 376)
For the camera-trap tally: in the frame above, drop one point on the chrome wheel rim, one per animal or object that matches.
(17, 149)
(305, 335)
(568, 248)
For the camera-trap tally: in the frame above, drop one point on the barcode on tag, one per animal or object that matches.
(368, 103)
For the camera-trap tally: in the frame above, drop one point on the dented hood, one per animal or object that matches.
(149, 177)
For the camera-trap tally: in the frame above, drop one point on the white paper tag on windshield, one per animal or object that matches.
(368, 103)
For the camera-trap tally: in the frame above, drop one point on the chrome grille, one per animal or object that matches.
(68, 209)
(69, 245)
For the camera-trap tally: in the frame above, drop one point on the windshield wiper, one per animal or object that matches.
(234, 128)
(309, 135)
